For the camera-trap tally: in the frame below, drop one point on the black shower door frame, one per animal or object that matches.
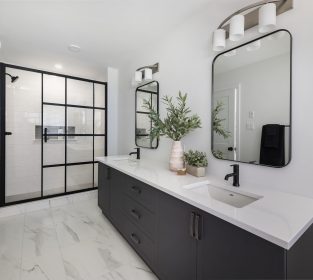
(44, 135)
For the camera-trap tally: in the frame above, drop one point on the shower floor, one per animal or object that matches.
(24, 196)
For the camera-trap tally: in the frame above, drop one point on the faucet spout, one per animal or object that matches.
(229, 175)
(137, 153)
(235, 175)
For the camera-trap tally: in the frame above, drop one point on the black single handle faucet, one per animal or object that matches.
(137, 153)
(235, 175)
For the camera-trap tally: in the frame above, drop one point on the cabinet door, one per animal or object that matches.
(104, 188)
(228, 252)
(176, 248)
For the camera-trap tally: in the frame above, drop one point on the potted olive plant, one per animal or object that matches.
(177, 124)
(196, 163)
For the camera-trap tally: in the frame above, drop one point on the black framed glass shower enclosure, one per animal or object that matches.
(52, 128)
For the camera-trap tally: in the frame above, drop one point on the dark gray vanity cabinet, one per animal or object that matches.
(176, 248)
(229, 252)
(104, 188)
(132, 211)
(181, 242)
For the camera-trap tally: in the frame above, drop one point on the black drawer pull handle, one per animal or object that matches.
(136, 189)
(192, 224)
(135, 214)
(197, 227)
(8, 133)
(135, 238)
(45, 135)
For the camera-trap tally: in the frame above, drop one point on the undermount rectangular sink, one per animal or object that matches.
(232, 198)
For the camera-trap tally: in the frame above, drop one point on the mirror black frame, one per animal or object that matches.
(138, 112)
(290, 100)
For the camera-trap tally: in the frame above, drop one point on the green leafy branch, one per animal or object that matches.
(177, 123)
(217, 122)
(196, 158)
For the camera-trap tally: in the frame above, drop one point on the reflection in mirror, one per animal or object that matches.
(251, 102)
(146, 92)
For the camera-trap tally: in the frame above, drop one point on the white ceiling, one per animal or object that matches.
(37, 33)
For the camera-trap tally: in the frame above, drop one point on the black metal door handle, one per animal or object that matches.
(136, 189)
(135, 238)
(45, 135)
(135, 214)
(8, 133)
(197, 227)
(230, 149)
(192, 225)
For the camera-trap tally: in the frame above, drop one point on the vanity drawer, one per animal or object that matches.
(141, 242)
(141, 192)
(139, 215)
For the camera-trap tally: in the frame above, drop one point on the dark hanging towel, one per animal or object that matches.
(272, 150)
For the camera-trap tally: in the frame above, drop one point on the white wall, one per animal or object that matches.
(113, 88)
(185, 64)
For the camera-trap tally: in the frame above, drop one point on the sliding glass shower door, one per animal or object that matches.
(57, 127)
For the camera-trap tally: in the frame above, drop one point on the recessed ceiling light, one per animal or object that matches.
(74, 48)
(58, 66)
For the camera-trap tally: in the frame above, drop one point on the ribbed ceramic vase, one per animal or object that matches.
(177, 156)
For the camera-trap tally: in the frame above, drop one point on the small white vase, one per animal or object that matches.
(177, 156)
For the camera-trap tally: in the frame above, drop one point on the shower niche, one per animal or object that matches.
(52, 128)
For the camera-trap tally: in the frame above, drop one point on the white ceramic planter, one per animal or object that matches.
(177, 156)
(195, 171)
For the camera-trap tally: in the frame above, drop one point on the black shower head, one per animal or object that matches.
(13, 78)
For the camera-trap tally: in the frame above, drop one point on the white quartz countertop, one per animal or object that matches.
(278, 217)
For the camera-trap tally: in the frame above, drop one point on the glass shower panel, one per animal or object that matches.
(99, 121)
(53, 180)
(80, 149)
(53, 89)
(100, 95)
(53, 143)
(23, 149)
(95, 176)
(79, 120)
(54, 152)
(79, 92)
(99, 146)
(79, 177)
(54, 121)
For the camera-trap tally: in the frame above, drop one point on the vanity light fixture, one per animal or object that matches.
(267, 18)
(138, 76)
(237, 28)
(146, 73)
(263, 13)
(219, 40)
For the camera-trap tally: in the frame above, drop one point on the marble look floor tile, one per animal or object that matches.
(39, 219)
(127, 272)
(71, 242)
(11, 238)
(75, 224)
(41, 254)
(12, 210)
